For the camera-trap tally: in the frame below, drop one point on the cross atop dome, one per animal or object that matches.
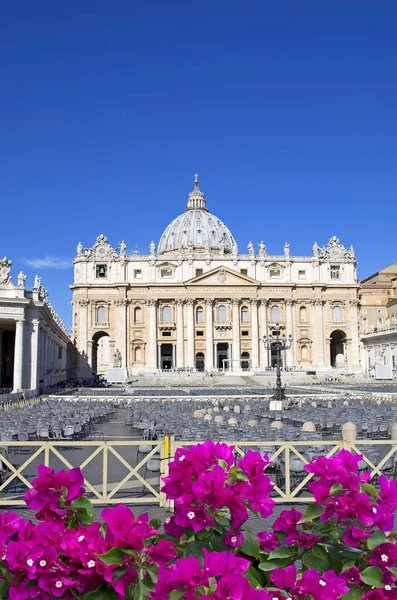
(196, 197)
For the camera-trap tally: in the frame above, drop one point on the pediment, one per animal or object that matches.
(222, 276)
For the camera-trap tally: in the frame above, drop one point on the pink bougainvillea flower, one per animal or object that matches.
(268, 541)
(284, 578)
(287, 521)
(351, 575)
(234, 538)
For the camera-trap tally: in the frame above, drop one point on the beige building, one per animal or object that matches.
(376, 292)
(35, 348)
(195, 302)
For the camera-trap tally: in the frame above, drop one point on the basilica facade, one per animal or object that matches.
(194, 301)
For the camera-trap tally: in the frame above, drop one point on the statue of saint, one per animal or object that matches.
(351, 251)
(152, 248)
(79, 249)
(37, 284)
(262, 249)
(123, 248)
(222, 246)
(117, 359)
(5, 268)
(286, 249)
(234, 248)
(21, 279)
(316, 248)
(251, 250)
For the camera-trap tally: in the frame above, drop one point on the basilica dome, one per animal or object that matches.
(196, 228)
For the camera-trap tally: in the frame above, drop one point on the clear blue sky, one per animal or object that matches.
(287, 110)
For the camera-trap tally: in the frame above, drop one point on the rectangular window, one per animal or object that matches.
(60, 352)
(244, 271)
(137, 273)
(166, 273)
(335, 272)
(365, 321)
(199, 272)
(166, 334)
(200, 333)
(101, 271)
(275, 273)
(301, 274)
(379, 311)
(244, 333)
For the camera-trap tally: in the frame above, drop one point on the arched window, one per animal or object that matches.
(101, 314)
(244, 314)
(222, 313)
(245, 362)
(305, 353)
(336, 314)
(275, 314)
(199, 315)
(200, 361)
(138, 315)
(303, 314)
(166, 314)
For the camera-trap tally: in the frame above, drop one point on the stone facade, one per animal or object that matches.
(196, 302)
(376, 294)
(34, 345)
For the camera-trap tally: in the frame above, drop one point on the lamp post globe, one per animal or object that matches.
(276, 343)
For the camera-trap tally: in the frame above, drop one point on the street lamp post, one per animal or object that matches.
(277, 343)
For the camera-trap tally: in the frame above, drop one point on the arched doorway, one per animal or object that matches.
(100, 353)
(245, 361)
(337, 343)
(200, 361)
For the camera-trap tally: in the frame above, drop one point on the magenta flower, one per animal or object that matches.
(268, 541)
(351, 575)
(234, 538)
(160, 554)
(374, 595)
(384, 556)
(194, 517)
(126, 531)
(284, 578)
(287, 521)
(354, 535)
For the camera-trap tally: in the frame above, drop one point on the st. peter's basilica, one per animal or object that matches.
(195, 302)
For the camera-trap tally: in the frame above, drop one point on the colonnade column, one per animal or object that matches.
(82, 341)
(318, 332)
(190, 332)
(289, 330)
(209, 336)
(179, 333)
(1, 352)
(34, 354)
(152, 354)
(263, 317)
(236, 355)
(254, 334)
(18, 355)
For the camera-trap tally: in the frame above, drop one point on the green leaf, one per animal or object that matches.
(241, 476)
(393, 570)
(4, 585)
(354, 594)
(371, 491)
(222, 463)
(177, 594)
(84, 504)
(313, 511)
(372, 576)
(104, 592)
(155, 523)
(320, 551)
(113, 557)
(117, 573)
(153, 573)
(311, 561)
(216, 542)
(250, 546)
(193, 549)
(377, 538)
(348, 564)
(280, 553)
(223, 521)
(269, 565)
(141, 590)
(336, 489)
(255, 577)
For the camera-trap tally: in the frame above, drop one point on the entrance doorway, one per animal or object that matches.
(338, 339)
(166, 361)
(222, 353)
(200, 361)
(100, 353)
(7, 360)
(245, 361)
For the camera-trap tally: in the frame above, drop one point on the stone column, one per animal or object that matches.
(121, 331)
(209, 335)
(353, 360)
(18, 355)
(90, 344)
(83, 321)
(152, 351)
(236, 354)
(289, 330)
(254, 334)
(34, 355)
(263, 317)
(318, 333)
(190, 332)
(179, 333)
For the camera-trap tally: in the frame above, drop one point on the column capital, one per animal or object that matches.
(20, 321)
(265, 302)
(209, 302)
(83, 302)
(290, 302)
(120, 302)
(180, 301)
(235, 302)
(189, 302)
(152, 302)
(253, 301)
